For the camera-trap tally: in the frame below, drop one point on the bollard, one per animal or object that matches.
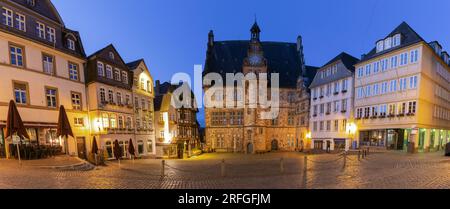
(282, 165)
(359, 155)
(163, 165)
(222, 168)
(363, 154)
(368, 151)
(305, 171)
(345, 159)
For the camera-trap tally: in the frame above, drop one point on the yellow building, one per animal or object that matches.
(144, 93)
(402, 94)
(109, 92)
(42, 67)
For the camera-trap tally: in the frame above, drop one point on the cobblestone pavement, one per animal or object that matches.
(383, 170)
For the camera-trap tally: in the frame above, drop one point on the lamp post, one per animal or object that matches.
(351, 130)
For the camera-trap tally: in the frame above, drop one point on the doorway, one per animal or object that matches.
(81, 147)
(274, 145)
(249, 148)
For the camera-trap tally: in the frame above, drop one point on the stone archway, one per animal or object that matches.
(274, 145)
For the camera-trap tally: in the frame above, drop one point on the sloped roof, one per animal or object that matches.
(44, 8)
(133, 65)
(347, 60)
(409, 37)
(283, 58)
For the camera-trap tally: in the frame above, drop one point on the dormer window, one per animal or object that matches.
(111, 55)
(71, 44)
(31, 3)
(51, 34)
(387, 43)
(397, 40)
(380, 46)
(7, 18)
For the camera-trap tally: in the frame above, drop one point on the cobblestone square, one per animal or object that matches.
(391, 170)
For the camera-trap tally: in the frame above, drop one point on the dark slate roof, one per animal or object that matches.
(44, 8)
(228, 57)
(166, 87)
(133, 65)
(409, 37)
(157, 102)
(347, 60)
(309, 75)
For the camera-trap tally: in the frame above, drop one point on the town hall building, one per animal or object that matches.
(242, 129)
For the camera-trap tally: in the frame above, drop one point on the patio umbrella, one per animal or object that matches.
(118, 152)
(64, 129)
(14, 125)
(131, 149)
(95, 149)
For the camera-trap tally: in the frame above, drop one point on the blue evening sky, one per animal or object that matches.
(171, 35)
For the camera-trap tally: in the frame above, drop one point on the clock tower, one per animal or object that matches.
(255, 61)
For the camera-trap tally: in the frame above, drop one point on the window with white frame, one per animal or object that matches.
(100, 69)
(78, 122)
(17, 56)
(388, 43)
(396, 40)
(51, 34)
(376, 67)
(344, 85)
(119, 98)
(414, 56)
(71, 44)
(109, 73)
(360, 72)
(20, 21)
(51, 95)
(110, 96)
(40, 30)
(368, 69)
(413, 82)
(48, 63)
(125, 77)
(376, 89)
(344, 105)
(105, 120)
(393, 86)
(74, 73)
(76, 101)
(394, 61)
(403, 59)
(384, 87)
(117, 74)
(102, 95)
(7, 17)
(380, 46)
(21, 93)
(403, 83)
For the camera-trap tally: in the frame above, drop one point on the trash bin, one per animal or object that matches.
(411, 147)
(447, 150)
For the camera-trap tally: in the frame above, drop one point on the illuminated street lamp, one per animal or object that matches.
(351, 130)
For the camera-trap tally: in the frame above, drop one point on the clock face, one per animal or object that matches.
(255, 60)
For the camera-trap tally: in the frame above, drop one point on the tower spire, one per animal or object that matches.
(255, 31)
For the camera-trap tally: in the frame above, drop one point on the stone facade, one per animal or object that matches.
(242, 129)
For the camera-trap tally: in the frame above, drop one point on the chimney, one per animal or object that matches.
(211, 38)
(299, 43)
(158, 83)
